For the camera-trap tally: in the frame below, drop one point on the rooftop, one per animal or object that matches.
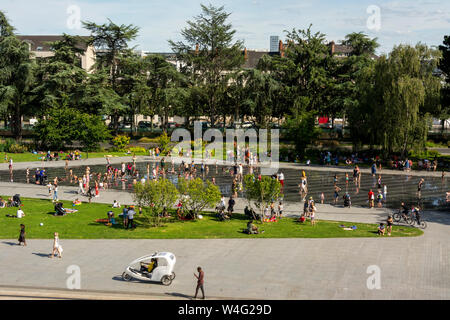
(42, 42)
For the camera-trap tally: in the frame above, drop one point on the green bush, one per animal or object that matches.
(10, 145)
(137, 149)
(163, 143)
(148, 140)
(424, 155)
(17, 148)
(120, 142)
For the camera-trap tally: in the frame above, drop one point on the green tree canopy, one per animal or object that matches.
(208, 53)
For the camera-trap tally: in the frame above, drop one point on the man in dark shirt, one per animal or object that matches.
(200, 282)
(231, 204)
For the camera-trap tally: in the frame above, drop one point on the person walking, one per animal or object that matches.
(371, 198)
(200, 282)
(55, 192)
(57, 248)
(22, 235)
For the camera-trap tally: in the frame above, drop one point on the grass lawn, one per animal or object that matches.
(82, 225)
(28, 156)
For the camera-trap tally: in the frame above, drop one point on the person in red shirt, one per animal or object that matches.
(371, 198)
(200, 281)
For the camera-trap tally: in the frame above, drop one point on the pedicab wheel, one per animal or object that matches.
(126, 276)
(423, 225)
(172, 276)
(396, 217)
(166, 280)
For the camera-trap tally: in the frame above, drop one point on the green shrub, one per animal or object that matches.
(148, 140)
(163, 143)
(17, 148)
(137, 149)
(120, 142)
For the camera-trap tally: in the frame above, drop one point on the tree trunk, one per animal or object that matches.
(16, 123)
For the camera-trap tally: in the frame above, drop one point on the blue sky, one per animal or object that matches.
(254, 20)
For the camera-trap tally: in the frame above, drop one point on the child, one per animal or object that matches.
(379, 199)
(49, 186)
(280, 209)
(381, 229)
(57, 248)
(322, 198)
(313, 214)
(302, 218)
(22, 235)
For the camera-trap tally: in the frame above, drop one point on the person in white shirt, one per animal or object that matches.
(116, 204)
(222, 202)
(281, 178)
(20, 213)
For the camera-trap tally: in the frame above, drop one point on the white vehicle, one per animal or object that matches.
(161, 272)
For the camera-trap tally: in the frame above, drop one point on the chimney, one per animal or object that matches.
(245, 54)
(280, 48)
(332, 47)
(196, 48)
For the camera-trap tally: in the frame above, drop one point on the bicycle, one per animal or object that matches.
(399, 216)
(422, 224)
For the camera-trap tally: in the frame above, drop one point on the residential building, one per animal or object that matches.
(40, 47)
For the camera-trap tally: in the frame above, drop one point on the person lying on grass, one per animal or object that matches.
(252, 229)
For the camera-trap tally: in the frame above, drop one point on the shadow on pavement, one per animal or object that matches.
(42, 255)
(10, 243)
(179, 295)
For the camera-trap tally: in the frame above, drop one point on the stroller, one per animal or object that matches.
(16, 202)
(59, 210)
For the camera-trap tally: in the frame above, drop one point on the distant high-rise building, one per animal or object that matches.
(274, 43)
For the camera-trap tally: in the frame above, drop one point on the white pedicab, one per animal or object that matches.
(162, 270)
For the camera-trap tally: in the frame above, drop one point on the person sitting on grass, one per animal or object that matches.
(302, 218)
(20, 213)
(116, 204)
(76, 202)
(2, 203)
(252, 229)
(381, 229)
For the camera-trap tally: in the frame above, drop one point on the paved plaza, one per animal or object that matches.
(411, 268)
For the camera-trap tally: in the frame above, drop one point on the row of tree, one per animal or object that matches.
(387, 100)
(157, 196)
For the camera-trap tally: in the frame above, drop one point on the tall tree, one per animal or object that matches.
(398, 99)
(168, 88)
(444, 66)
(348, 73)
(16, 76)
(207, 53)
(60, 78)
(111, 42)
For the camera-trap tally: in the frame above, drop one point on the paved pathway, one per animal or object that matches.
(411, 268)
